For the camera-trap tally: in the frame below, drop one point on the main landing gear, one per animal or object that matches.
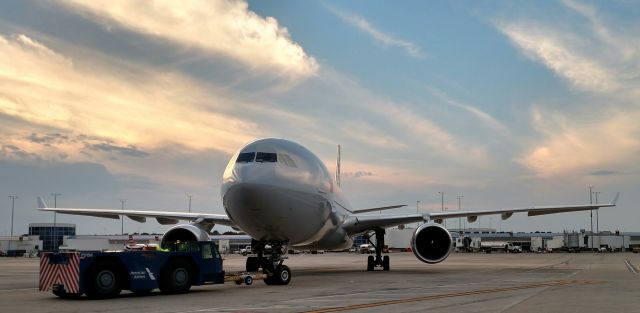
(270, 259)
(379, 260)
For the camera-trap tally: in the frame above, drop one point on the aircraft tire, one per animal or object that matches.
(270, 280)
(371, 263)
(282, 275)
(385, 263)
(253, 264)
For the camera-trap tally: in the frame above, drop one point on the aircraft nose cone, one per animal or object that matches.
(250, 205)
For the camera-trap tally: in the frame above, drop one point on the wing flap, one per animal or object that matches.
(472, 215)
(139, 219)
(545, 212)
(166, 221)
(358, 223)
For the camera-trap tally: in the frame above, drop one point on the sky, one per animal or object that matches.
(507, 104)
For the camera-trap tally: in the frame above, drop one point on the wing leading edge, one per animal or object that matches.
(360, 223)
(163, 217)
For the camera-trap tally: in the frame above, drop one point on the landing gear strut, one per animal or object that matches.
(378, 261)
(270, 260)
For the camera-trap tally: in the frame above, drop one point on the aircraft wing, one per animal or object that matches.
(163, 217)
(360, 223)
(378, 208)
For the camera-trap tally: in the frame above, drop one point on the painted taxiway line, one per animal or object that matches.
(630, 267)
(455, 294)
(20, 289)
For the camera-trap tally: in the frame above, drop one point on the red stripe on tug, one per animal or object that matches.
(60, 269)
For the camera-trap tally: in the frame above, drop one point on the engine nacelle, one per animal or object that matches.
(185, 232)
(431, 243)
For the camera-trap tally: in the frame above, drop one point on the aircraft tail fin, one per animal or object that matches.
(615, 199)
(41, 203)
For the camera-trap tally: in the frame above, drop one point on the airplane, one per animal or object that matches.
(282, 195)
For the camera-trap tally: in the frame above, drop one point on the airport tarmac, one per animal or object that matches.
(337, 282)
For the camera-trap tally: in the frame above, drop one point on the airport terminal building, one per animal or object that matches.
(50, 237)
(19, 245)
(51, 234)
(398, 240)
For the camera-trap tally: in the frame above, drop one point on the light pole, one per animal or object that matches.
(13, 201)
(591, 202)
(122, 201)
(417, 211)
(442, 206)
(460, 209)
(55, 223)
(597, 215)
(597, 219)
(189, 195)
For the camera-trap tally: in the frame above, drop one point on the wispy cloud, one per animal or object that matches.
(618, 46)
(222, 27)
(604, 173)
(376, 34)
(594, 59)
(367, 134)
(358, 174)
(569, 146)
(481, 115)
(563, 53)
(410, 127)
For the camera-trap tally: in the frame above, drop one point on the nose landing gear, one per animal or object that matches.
(270, 258)
(378, 261)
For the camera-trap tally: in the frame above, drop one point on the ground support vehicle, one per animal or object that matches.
(104, 274)
(490, 246)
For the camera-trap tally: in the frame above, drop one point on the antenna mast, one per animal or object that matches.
(338, 168)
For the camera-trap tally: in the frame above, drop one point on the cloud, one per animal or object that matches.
(569, 146)
(617, 40)
(400, 125)
(129, 150)
(378, 35)
(12, 152)
(358, 174)
(46, 90)
(563, 54)
(481, 115)
(593, 56)
(604, 173)
(47, 139)
(221, 27)
(381, 174)
(54, 144)
(368, 134)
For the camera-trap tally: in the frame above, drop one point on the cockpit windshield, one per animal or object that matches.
(246, 157)
(266, 157)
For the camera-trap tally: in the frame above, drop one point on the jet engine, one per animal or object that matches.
(431, 243)
(185, 232)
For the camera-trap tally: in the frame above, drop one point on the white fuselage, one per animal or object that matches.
(278, 191)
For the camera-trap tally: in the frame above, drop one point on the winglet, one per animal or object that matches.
(615, 200)
(41, 204)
